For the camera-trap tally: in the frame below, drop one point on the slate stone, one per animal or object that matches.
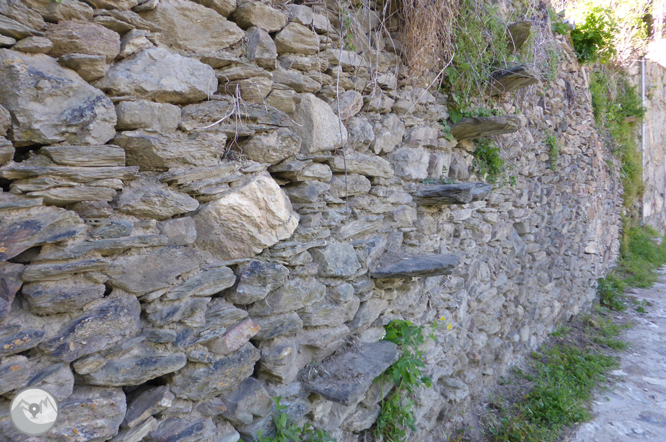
(182, 430)
(196, 381)
(14, 372)
(221, 314)
(85, 156)
(277, 325)
(249, 14)
(57, 379)
(37, 226)
(138, 433)
(109, 321)
(362, 164)
(206, 283)
(12, 28)
(519, 32)
(187, 337)
(142, 274)
(248, 403)
(10, 283)
(424, 265)
(159, 335)
(234, 338)
(64, 196)
(135, 370)
(156, 201)
(146, 404)
(16, 10)
(190, 311)
(329, 312)
(59, 271)
(79, 37)
(51, 104)
(336, 260)
(162, 117)
(68, 295)
(179, 231)
(293, 295)
(34, 45)
(477, 127)
(56, 11)
(89, 67)
(20, 341)
(440, 194)
(296, 39)
(261, 48)
(116, 229)
(509, 80)
(344, 378)
(255, 280)
(104, 247)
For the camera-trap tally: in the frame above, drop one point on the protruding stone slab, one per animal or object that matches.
(20, 341)
(350, 374)
(424, 265)
(146, 404)
(71, 294)
(462, 193)
(472, 128)
(255, 280)
(135, 370)
(508, 80)
(206, 283)
(519, 32)
(86, 156)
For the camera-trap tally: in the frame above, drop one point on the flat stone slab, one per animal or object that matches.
(508, 80)
(472, 128)
(423, 265)
(349, 375)
(462, 193)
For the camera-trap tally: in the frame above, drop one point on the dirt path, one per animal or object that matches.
(635, 408)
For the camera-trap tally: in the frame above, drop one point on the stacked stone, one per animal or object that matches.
(202, 198)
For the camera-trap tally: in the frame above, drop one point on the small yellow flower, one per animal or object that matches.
(449, 326)
(442, 318)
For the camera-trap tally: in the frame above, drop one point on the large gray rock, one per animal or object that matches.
(296, 39)
(34, 45)
(246, 220)
(14, 372)
(262, 16)
(89, 67)
(5, 121)
(272, 146)
(463, 193)
(317, 125)
(161, 117)
(362, 164)
(197, 381)
(10, 281)
(247, 404)
(336, 260)
(261, 48)
(159, 75)
(191, 27)
(50, 104)
(411, 164)
(277, 325)
(123, 5)
(37, 226)
(255, 280)
(22, 340)
(63, 296)
(146, 273)
(174, 429)
(223, 7)
(347, 376)
(206, 283)
(76, 37)
(85, 156)
(411, 266)
(293, 295)
(154, 200)
(135, 369)
(14, 29)
(55, 12)
(470, 128)
(146, 404)
(16, 10)
(108, 321)
(157, 151)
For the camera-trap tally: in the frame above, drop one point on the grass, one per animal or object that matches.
(553, 149)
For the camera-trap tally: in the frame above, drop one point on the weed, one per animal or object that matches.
(553, 149)
(488, 161)
(286, 430)
(456, 114)
(610, 290)
(593, 38)
(561, 331)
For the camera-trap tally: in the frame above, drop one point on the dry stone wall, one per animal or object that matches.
(209, 203)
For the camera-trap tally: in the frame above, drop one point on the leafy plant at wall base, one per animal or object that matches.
(286, 430)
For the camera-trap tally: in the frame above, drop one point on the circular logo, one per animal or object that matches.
(34, 411)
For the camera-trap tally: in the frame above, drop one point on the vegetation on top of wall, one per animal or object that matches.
(593, 37)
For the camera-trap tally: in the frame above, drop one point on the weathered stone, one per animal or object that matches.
(76, 37)
(64, 296)
(183, 430)
(138, 433)
(277, 325)
(293, 295)
(104, 246)
(219, 59)
(296, 39)
(135, 369)
(329, 313)
(350, 104)
(271, 147)
(424, 265)
(134, 41)
(132, 20)
(155, 201)
(300, 14)
(223, 7)
(519, 32)
(85, 156)
(147, 404)
(250, 117)
(303, 63)
(295, 80)
(411, 164)
(255, 280)
(249, 402)
(157, 151)
(10, 281)
(369, 165)
(105, 323)
(37, 226)
(348, 60)
(251, 90)
(59, 271)
(5, 121)
(34, 45)
(350, 374)
(146, 273)
(16, 10)
(88, 364)
(12, 28)
(262, 16)
(389, 132)
(424, 136)
(190, 312)
(508, 80)
(57, 379)
(336, 260)
(261, 48)
(89, 67)
(463, 193)
(93, 411)
(7, 151)
(236, 337)
(113, 23)
(6, 42)
(115, 229)
(122, 5)
(14, 372)
(180, 231)
(221, 314)
(20, 341)
(147, 5)
(317, 125)
(206, 283)
(246, 220)
(307, 192)
(159, 335)
(159, 75)
(50, 104)
(353, 184)
(55, 12)
(64, 196)
(191, 27)
(378, 102)
(196, 381)
(470, 128)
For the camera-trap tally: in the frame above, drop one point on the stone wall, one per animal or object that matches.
(187, 228)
